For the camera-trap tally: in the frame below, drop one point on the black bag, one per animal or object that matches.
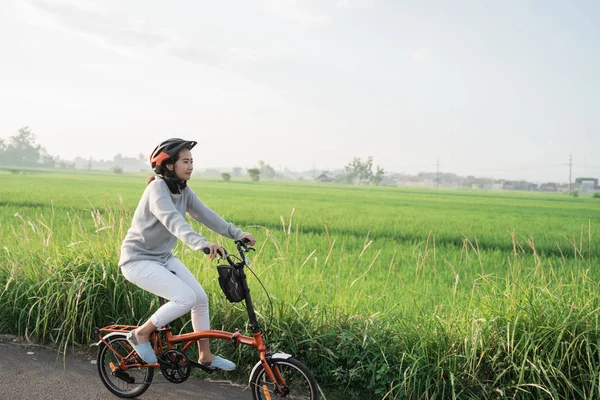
(231, 283)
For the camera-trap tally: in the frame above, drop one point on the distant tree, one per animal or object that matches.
(226, 177)
(254, 174)
(346, 178)
(361, 172)
(211, 172)
(2, 149)
(48, 161)
(352, 170)
(237, 172)
(266, 170)
(117, 169)
(118, 159)
(378, 177)
(22, 149)
(130, 163)
(596, 195)
(62, 164)
(366, 171)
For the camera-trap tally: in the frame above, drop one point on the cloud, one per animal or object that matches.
(196, 55)
(353, 3)
(242, 54)
(115, 30)
(47, 97)
(421, 55)
(122, 34)
(301, 12)
(210, 57)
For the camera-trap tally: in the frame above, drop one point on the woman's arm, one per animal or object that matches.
(164, 210)
(213, 221)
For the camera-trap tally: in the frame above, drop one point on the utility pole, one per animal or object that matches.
(437, 174)
(570, 169)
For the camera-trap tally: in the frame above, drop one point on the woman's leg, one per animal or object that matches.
(200, 315)
(155, 278)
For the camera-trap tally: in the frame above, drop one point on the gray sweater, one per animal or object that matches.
(159, 221)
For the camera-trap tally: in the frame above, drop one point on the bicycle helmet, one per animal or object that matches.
(167, 151)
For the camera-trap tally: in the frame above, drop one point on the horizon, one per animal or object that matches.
(506, 90)
(315, 169)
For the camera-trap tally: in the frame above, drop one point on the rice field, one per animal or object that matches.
(384, 292)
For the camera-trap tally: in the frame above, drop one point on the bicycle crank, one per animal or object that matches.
(175, 366)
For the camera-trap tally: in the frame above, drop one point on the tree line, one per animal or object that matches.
(22, 150)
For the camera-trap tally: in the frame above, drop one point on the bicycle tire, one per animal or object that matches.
(143, 376)
(300, 381)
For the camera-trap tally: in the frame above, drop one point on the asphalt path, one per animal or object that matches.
(29, 371)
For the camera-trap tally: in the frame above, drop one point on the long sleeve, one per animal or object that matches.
(213, 221)
(162, 207)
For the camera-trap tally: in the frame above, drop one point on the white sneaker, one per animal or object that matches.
(144, 350)
(220, 363)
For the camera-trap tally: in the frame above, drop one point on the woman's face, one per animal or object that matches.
(184, 165)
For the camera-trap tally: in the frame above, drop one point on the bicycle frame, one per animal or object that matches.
(236, 338)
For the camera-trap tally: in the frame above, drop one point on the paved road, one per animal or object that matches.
(45, 374)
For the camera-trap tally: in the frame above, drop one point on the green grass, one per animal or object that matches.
(383, 292)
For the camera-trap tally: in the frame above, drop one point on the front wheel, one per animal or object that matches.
(294, 381)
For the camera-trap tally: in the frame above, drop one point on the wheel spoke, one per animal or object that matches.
(294, 382)
(116, 380)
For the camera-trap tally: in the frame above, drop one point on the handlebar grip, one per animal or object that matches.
(206, 251)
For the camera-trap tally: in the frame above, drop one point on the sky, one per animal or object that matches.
(504, 89)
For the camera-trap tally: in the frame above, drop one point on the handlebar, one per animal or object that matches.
(242, 247)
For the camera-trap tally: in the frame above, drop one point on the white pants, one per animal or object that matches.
(181, 289)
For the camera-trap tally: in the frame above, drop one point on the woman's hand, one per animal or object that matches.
(249, 237)
(214, 250)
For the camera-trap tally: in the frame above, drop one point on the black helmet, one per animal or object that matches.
(167, 151)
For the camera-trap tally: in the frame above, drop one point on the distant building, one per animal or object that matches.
(414, 181)
(498, 184)
(519, 185)
(564, 188)
(324, 178)
(588, 185)
(548, 187)
(582, 180)
(481, 183)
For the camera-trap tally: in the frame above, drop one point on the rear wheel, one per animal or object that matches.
(129, 383)
(298, 381)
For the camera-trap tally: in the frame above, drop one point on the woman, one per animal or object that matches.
(147, 259)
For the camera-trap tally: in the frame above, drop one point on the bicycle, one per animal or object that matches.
(277, 375)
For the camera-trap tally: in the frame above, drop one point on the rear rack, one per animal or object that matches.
(117, 328)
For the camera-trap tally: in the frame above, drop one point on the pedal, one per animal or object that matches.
(204, 368)
(124, 376)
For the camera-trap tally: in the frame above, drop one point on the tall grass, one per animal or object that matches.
(432, 315)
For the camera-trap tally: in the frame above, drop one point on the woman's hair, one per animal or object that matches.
(163, 171)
